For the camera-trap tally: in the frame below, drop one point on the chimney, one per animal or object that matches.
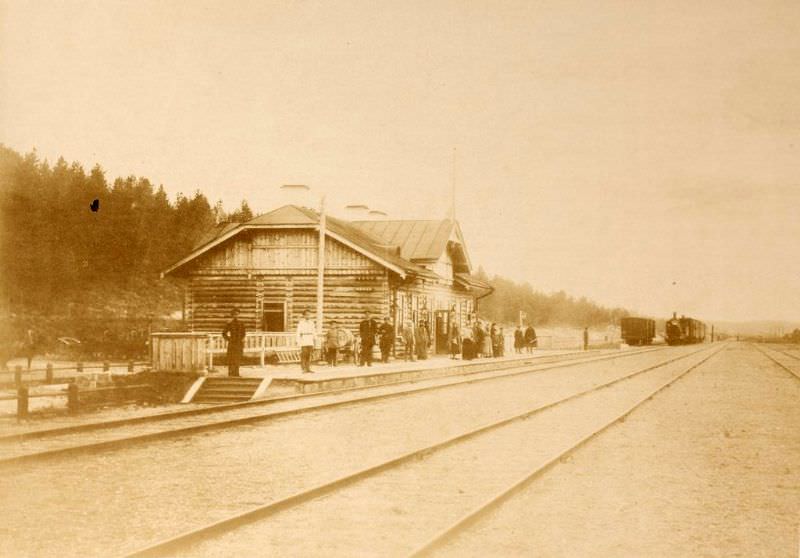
(376, 215)
(356, 212)
(296, 194)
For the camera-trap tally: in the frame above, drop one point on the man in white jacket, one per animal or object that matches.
(306, 331)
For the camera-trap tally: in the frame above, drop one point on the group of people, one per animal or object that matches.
(480, 340)
(525, 339)
(372, 332)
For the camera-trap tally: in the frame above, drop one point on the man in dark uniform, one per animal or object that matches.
(234, 333)
(386, 331)
(586, 339)
(367, 329)
(530, 338)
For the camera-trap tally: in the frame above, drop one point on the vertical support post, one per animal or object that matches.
(106, 366)
(18, 375)
(72, 398)
(48, 378)
(130, 367)
(22, 402)
(321, 266)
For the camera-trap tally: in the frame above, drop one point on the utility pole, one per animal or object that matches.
(453, 189)
(321, 265)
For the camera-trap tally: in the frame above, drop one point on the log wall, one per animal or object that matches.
(346, 297)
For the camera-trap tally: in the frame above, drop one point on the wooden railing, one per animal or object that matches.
(193, 352)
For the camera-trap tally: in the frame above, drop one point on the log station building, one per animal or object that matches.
(268, 269)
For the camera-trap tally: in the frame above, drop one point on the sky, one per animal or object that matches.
(643, 154)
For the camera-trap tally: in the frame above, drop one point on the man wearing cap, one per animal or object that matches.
(306, 331)
(234, 334)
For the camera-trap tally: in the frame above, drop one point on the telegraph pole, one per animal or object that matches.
(321, 265)
(453, 189)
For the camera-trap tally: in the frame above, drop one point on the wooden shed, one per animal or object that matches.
(268, 269)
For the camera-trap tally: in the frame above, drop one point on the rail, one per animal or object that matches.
(181, 541)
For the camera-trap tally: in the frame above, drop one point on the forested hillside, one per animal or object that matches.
(73, 266)
(557, 309)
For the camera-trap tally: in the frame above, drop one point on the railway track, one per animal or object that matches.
(477, 367)
(60, 442)
(769, 353)
(422, 474)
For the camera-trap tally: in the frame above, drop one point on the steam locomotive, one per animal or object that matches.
(684, 331)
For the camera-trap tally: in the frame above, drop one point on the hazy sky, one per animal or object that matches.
(605, 148)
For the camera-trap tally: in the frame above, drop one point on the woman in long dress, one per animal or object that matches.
(487, 343)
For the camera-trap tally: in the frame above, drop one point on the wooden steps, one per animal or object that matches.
(227, 390)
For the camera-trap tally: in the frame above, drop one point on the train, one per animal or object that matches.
(684, 331)
(638, 331)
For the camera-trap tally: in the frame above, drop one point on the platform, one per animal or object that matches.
(288, 380)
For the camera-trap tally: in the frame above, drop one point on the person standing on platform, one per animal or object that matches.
(499, 342)
(422, 340)
(530, 338)
(487, 341)
(409, 341)
(234, 333)
(454, 339)
(477, 338)
(306, 331)
(519, 339)
(367, 329)
(467, 343)
(333, 344)
(386, 331)
(586, 338)
(495, 335)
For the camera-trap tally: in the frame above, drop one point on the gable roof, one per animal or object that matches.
(213, 233)
(392, 244)
(417, 239)
(287, 215)
(294, 216)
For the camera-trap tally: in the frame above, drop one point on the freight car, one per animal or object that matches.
(684, 331)
(638, 331)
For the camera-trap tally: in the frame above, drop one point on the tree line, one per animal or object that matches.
(541, 309)
(79, 250)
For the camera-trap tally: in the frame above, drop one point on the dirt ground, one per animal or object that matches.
(709, 467)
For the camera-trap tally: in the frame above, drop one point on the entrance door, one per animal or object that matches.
(273, 317)
(442, 331)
